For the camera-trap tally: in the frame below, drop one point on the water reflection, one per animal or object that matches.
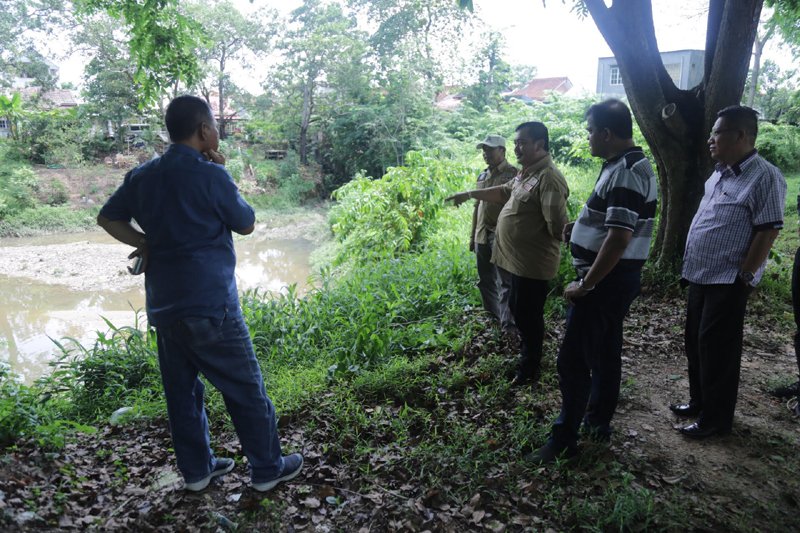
(32, 313)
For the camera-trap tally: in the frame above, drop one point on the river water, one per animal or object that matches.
(62, 286)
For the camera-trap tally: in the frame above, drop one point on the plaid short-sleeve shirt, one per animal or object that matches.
(738, 201)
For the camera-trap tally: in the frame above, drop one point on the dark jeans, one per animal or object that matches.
(590, 358)
(494, 284)
(796, 305)
(526, 302)
(713, 340)
(222, 351)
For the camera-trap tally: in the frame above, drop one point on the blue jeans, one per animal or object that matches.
(223, 353)
(590, 358)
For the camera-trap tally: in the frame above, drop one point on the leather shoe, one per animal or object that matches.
(696, 431)
(685, 409)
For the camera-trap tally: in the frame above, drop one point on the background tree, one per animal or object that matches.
(230, 36)
(320, 40)
(162, 42)
(777, 95)
(110, 87)
(493, 73)
(19, 21)
(414, 33)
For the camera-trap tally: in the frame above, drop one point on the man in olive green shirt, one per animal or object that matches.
(493, 283)
(528, 235)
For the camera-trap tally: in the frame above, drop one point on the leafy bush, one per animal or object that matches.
(18, 186)
(18, 407)
(379, 309)
(780, 145)
(390, 215)
(56, 193)
(120, 369)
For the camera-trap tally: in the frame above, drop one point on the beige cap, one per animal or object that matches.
(492, 141)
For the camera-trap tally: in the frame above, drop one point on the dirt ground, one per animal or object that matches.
(124, 477)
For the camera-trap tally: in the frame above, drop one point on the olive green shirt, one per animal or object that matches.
(528, 236)
(484, 216)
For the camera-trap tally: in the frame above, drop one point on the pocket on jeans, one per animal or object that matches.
(202, 330)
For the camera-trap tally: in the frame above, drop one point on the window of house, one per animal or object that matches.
(674, 71)
(3, 124)
(614, 77)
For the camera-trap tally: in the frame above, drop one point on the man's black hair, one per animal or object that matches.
(184, 115)
(537, 132)
(614, 115)
(741, 117)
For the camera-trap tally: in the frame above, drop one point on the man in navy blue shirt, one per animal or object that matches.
(187, 205)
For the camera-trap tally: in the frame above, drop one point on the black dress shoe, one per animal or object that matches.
(685, 409)
(696, 431)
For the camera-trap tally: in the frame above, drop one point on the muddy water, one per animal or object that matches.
(62, 286)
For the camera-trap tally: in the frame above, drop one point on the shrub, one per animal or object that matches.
(780, 145)
(18, 412)
(390, 215)
(18, 186)
(115, 372)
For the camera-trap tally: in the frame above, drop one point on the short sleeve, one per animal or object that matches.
(233, 210)
(118, 206)
(769, 200)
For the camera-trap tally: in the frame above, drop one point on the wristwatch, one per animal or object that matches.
(747, 277)
(581, 285)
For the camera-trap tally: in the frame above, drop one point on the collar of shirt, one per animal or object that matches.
(186, 150)
(736, 168)
(544, 162)
(621, 155)
(493, 171)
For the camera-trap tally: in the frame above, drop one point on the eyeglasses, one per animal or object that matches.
(717, 133)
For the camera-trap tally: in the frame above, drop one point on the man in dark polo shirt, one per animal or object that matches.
(527, 243)
(493, 283)
(187, 205)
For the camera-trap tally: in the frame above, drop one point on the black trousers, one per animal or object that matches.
(713, 342)
(526, 302)
(796, 305)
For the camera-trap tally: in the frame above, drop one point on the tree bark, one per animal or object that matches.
(676, 122)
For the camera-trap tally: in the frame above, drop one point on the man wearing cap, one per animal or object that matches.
(493, 283)
(527, 243)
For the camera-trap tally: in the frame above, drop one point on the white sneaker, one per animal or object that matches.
(223, 466)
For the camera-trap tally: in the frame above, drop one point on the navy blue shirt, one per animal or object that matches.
(187, 207)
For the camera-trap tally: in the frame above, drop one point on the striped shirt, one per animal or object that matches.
(625, 196)
(738, 201)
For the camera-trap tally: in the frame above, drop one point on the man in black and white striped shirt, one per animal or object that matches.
(609, 243)
(726, 251)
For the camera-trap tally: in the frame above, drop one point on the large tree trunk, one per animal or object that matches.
(676, 122)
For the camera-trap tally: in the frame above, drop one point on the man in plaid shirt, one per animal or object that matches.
(726, 251)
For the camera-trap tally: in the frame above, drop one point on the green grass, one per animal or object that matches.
(377, 364)
(48, 219)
